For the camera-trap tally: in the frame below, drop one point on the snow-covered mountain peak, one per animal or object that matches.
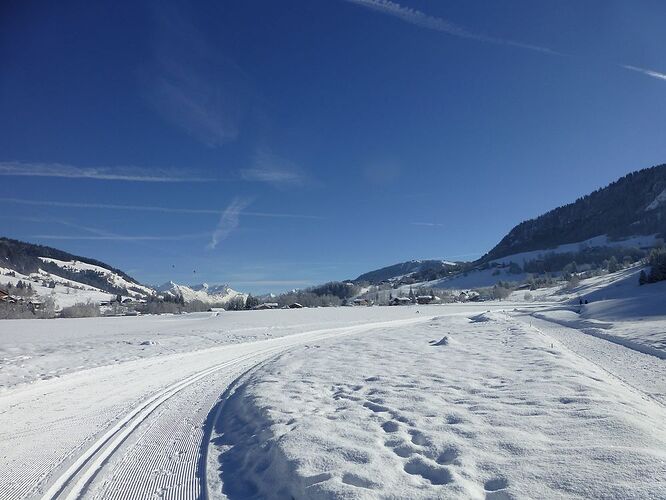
(210, 294)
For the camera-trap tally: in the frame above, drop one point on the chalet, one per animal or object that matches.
(470, 296)
(427, 299)
(400, 301)
(5, 297)
(266, 305)
(362, 302)
(295, 305)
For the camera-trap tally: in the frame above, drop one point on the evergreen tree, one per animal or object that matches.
(251, 302)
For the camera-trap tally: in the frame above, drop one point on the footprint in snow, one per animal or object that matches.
(435, 475)
(495, 489)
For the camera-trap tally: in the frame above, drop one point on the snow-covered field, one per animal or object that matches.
(453, 401)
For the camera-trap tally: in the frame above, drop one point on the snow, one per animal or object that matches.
(134, 289)
(619, 310)
(62, 294)
(597, 241)
(492, 400)
(661, 198)
(32, 350)
(498, 411)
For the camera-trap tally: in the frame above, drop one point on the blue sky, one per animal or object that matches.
(278, 144)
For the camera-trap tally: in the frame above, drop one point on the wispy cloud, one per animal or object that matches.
(423, 20)
(648, 72)
(131, 174)
(294, 283)
(119, 237)
(274, 170)
(145, 208)
(96, 234)
(229, 221)
(191, 85)
(427, 224)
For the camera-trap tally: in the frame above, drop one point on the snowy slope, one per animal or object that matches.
(65, 293)
(113, 279)
(618, 310)
(598, 241)
(402, 270)
(658, 201)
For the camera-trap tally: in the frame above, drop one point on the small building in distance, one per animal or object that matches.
(295, 305)
(266, 305)
(362, 302)
(469, 296)
(427, 299)
(5, 297)
(400, 301)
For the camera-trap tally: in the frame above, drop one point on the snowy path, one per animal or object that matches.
(133, 430)
(643, 373)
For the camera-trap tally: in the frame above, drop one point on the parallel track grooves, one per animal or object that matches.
(72, 483)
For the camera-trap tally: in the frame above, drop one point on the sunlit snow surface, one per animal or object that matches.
(453, 401)
(501, 411)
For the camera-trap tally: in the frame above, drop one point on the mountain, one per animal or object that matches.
(414, 270)
(622, 220)
(215, 294)
(634, 205)
(40, 263)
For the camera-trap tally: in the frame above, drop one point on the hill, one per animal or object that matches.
(413, 270)
(52, 265)
(634, 205)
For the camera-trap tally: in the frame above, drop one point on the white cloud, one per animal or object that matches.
(274, 170)
(427, 224)
(145, 208)
(418, 18)
(191, 85)
(648, 72)
(103, 235)
(130, 174)
(229, 221)
(119, 237)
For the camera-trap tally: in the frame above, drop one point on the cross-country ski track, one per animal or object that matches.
(151, 445)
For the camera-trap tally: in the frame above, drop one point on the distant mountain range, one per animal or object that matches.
(215, 294)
